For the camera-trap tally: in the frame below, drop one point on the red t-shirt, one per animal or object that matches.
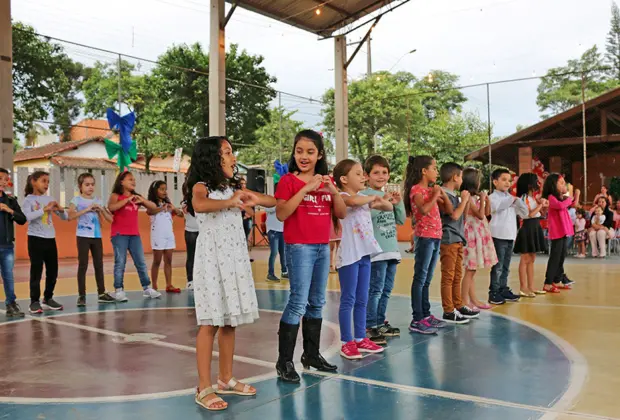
(311, 221)
(429, 225)
(125, 220)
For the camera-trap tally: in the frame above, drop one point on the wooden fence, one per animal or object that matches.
(63, 183)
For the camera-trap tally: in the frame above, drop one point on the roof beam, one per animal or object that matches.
(230, 13)
(613, 138)
(346, 65)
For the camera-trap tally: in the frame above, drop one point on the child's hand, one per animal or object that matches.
(437, 190)
(545, 203)
(4, 207)
(329, 185)
(235, 201)
(483, 195)
(465, 196)
(51, 206)
(314, 184)
(395, 198)
(137, 199)
(249, 199)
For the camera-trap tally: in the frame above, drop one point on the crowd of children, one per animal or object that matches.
(310, 211)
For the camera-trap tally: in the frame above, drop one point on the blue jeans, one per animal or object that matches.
(133, 244)
(354, 282)
(382, 275)
(426, 256)
(500, 271)
(308, 270)
(7, 261)
(276, 246)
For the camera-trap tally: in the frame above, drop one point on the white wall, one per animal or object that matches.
(93, 150)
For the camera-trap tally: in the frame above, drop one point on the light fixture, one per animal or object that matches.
(317, 11)
(430, 78)
(378, 78)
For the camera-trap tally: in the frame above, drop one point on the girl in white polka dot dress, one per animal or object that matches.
(224, 293)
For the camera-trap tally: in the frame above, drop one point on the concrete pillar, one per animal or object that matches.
(525, 159)
(217, 70)
(6, 86)
(555, 164)
(341, 99)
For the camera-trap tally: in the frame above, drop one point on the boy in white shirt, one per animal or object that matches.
(504, 211)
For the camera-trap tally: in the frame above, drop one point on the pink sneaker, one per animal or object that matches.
(349, 351)
(367, 346)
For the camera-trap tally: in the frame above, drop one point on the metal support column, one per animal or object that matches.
(6, 86)
(217, 70)
(341, 99)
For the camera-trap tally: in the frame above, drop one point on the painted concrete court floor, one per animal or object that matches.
(548, 357)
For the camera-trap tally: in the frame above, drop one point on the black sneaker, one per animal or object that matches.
(468, 313)
(455, 317)
(81, 301)
(106, 298)
(14, 311)
(375, 336)
(271, 277)
(51, 305)
(510, 297)
(388, 331)
(496, 299)
(35, 308)
(285, 275)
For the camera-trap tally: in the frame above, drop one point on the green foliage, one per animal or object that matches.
(399, 114)
(612, 47)
(559, 91)
(273, 140)
(46, 82)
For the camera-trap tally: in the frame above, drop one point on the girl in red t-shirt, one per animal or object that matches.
(306, 198)
(422, 206)
(123, 204)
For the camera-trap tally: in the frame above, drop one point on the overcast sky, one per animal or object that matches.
(480, 40)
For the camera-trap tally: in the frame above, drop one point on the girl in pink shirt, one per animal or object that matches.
(560, 229)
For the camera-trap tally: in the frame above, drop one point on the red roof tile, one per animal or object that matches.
(83, 163)
(50, 150)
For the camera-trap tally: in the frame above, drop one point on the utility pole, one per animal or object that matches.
(369, 60)
(369, 55)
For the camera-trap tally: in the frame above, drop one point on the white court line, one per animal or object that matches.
(579, 369)
(578, 363)
(459, 397)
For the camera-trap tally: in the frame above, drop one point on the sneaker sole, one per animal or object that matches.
(415, 330)
(151, 297)
(471, 316)
(370, 351)
(107, 301)
(460, 322)
(36, 312)
(49, 308)
(379, 343)
(351, 357)
(20, 315)
(497, 303)
(512, 299)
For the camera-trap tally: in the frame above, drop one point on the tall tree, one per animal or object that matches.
(612, 47)
(560, 89)
(185, 98)
(441, 94)
(46, 82)
(378, 106)
(273, 140)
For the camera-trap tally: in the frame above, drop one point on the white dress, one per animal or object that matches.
(224, 291)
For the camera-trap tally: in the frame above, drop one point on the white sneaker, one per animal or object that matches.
(120, 295)
(190, 285)
(151, 293)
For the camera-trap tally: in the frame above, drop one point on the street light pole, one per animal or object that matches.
(399, 60)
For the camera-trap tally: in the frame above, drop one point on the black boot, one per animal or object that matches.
(311, 330)
(286, 342)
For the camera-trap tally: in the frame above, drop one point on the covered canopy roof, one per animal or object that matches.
(562, 134)
(334, 14)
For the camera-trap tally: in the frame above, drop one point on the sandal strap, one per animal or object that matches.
(230, 385)
(201, 394)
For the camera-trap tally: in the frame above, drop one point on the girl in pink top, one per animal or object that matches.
(124, 203)
(560, 229)
(422, 206)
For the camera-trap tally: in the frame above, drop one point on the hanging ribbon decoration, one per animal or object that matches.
(281, 170)
(126, 150)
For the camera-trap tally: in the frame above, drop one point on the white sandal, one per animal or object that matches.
(229, 388)
(200, 395)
